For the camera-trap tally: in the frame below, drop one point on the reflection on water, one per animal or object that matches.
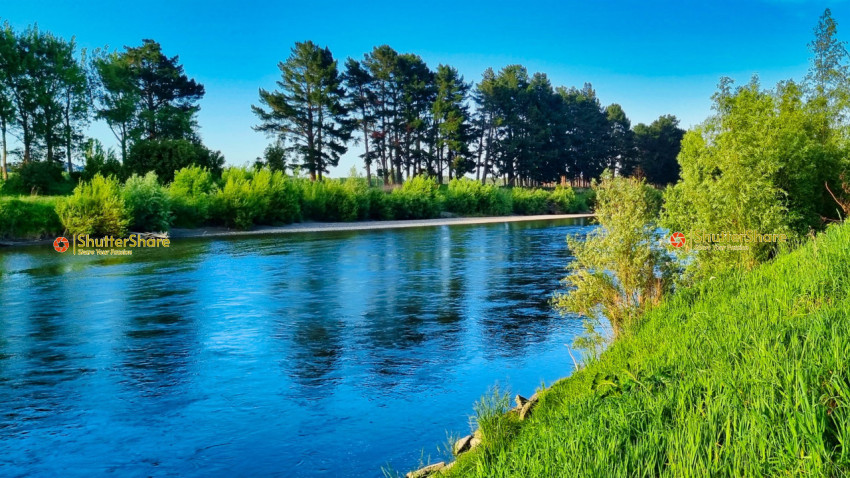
(326, 354)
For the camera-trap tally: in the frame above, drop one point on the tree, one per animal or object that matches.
(7, 107)
(382, 63)
(168, 98)
(165, 156)
(621, 267)
(657, 147)
(828, 73)
(361, 101)
(451, 117)
(118, 98)
(307, 110)
(620, 139)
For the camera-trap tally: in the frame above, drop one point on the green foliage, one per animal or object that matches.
(471, 198)
(336, 200)
(417, 198)
(29, 217)
(564, 200)
(96, 208)
(744, 375)
(148, 203)
(40, 177)
(166, 156)
(620, 268)
(190, 195)
(256, 197)
(759, 165)
(100, 161)
(530, 201)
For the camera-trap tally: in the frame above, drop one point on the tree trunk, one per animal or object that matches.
(3, 137)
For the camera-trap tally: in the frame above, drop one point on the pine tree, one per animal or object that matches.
(308, 109)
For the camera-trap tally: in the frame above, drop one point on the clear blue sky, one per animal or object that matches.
(653, 59)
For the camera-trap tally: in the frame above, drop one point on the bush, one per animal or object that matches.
(256, 197)
(100, 161)
(529, 201)
(417, 198)
(40, 177)
(468, 197)
(190, 196)
(147, 203)
(166, 156)
(284, 204)
(563, 200)
(29, 218)
(95, 208)
(336, 200)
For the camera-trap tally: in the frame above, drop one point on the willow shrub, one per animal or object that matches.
(96, 207)
(190, 196)
(417, 198)
(336, 200)
(471, 198)
(530, 201)
(148, 203)
(249, 197)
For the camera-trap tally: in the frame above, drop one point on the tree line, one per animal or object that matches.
(409, 119)
(413, 120)
(50, 92)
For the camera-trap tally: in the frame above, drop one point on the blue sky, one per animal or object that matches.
(653, 58)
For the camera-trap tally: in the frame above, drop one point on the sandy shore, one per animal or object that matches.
(365, 225)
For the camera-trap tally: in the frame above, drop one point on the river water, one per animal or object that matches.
(318, 354)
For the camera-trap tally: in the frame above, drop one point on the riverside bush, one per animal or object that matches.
(190, 196)
(148, 203)
(468, 197)
(29, 217)
(96, 208)
(256, 197)
(336, 200)
(417, 198)
(563, 199)
(529, 201)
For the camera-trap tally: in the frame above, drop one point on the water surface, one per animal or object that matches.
(326, 354)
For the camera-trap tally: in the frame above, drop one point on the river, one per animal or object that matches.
(316, 354)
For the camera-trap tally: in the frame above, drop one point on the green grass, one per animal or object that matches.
(743, 375)
(29, 217)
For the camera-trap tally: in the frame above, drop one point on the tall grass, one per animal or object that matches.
(743, 375)
(29, 217)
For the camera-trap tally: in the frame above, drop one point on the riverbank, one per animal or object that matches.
(741, 375)
(366, 225)
(308, 227)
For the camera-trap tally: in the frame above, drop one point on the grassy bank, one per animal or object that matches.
(244, 198)
(742, 375)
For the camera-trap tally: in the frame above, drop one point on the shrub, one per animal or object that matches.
(95, 208)
(468, 197)
(621, 267)
(166, 156)
(417, 198)
(563, 200)
(284, 204)
(190, 195)
(147, 203)
(40, 177)
(100, 161)
(29, 218)
(256, 197)
(529, 201)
